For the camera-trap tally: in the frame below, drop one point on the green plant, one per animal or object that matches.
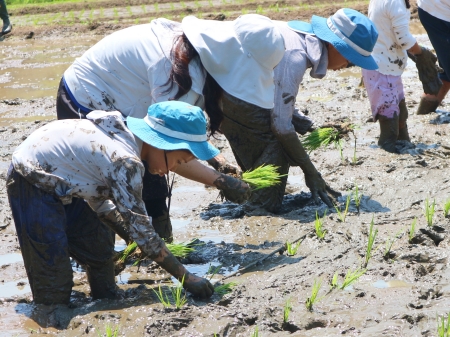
(224, 289)
(123, 256)
(334, 281)
(318, 224)
(181, 249)
(354, 159)
(109, 332)
(389, 242)
(287, 310)
(351, 277)
(429, 211)
(446, 207)
(370, 242)
(156, 6)
(343, 215)
(292, 248)
(443, 326)
(255, 332)
(162, 297)
(262, 177)
(310, 301)
(412, 230)
(320, 137)
(213, 270)
(177, 293)
(357, 197)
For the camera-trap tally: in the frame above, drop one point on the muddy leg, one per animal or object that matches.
(91, 244)
(388, 132)
(402, 125)
(429, 103)
(40, 222)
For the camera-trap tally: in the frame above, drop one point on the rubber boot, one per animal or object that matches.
(102, 281)
(163, 227)
(427, 106)
(402, 125)
(6, 28)
(388, 132)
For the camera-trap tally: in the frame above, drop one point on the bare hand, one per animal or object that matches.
(198, 286)
(233, 189)
(319, 188)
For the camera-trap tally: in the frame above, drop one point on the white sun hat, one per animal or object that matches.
(240, 55)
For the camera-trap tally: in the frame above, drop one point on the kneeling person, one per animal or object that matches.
(69, 174)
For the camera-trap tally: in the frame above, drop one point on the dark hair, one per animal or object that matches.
(407, 4)
(182, 54)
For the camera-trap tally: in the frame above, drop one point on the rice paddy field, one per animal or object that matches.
(375, 265)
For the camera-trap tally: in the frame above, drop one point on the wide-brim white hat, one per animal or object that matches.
(240, 55)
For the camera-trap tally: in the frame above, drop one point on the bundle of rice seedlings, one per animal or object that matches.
(224, 289)
(262, 177)
(180, 250)
(327, 135)
(130, 249)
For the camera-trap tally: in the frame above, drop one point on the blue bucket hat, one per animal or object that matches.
(349, 31)
(174, 126)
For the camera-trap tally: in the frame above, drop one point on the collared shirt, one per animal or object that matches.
(96, 159)
(126, 71)
(303, 51)
(437, 8)
(391, 18)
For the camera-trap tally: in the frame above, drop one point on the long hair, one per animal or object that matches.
(182, 53)
(407, 4)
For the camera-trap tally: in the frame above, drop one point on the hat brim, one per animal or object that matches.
(301, 27)
(202, 150)
(321, 30)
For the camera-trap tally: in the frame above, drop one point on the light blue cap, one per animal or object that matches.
(174, 125)
(349, 31)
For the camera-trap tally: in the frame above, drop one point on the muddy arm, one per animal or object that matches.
(222, 165)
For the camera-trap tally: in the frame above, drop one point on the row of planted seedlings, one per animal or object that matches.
(352, 275)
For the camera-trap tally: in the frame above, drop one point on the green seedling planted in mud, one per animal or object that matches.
(213, 270)
(318, 224)
(255, 332)
(334, 281)
(224, 289)
(370, 242)
(109, 331)
(446, 207)
(351, 277)
(287, 310)
(357, 197)
(162, 297)
(389, 242)
(176, 294)
(291, 248)
(343, 214)
(310, 301)
(443, 326)
(262, 177)
(429, 211)
(412, 230)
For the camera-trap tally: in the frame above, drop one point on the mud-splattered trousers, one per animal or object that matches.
(68, 175)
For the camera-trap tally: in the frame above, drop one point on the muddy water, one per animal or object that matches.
(397, 296)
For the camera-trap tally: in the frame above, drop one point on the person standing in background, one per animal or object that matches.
(7, 26)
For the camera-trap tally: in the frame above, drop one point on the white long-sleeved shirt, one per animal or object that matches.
(96, 159)
(437, 8)
(391, 18)
(126, 70)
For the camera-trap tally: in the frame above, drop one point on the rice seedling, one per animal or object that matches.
(127, 252)
(443, 326)
(291, 248)
(310, 301)
(177, 292)
(429, 211)
(172, 6)
(388, 245)
(109, 331)
(244, 11)
(162, 297)
(318, 224)
(412, 230)
(357, 197)
(343, 215)
(320, 137)
(156, 6)
(262, 177)
(260, 10)
(102, 12)
(446, 207)
(181, 249)
(255, 332)
(287, 310)
(183, 4)
(334, 281)
(144, 10)
(351, 277)
(224, 289)
(213, 270)
(130, 13)
(370, 242)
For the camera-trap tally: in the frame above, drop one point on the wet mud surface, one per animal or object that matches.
(399, 295)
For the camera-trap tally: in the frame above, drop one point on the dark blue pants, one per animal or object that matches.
(50, 233)
(439, 33)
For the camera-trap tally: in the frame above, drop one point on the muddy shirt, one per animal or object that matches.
(303, 51)
(126, 70)
(391, 18)
(96, 159)
(437, 8)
